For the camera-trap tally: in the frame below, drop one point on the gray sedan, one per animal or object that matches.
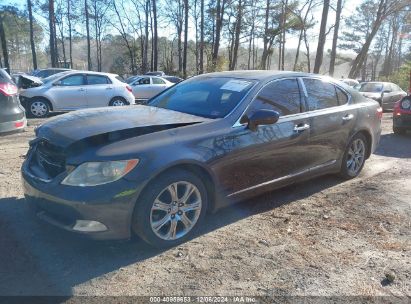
(145, 87)
(386, 93)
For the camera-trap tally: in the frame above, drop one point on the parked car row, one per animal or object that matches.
(73, 90)
(386, 93)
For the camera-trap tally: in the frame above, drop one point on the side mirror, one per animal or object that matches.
(57, 83)
(260, 117)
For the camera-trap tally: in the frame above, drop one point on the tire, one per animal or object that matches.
(399, 131)
(38, 108)
(117, 102)
(155, 223)
(354, 157)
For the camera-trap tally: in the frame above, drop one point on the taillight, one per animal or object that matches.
(8, 89)
(379, 112)
(129, 89)
(19, 124)
(397, 110)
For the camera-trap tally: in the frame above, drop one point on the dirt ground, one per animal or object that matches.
(325, 237)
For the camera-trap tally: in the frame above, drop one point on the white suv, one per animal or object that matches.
(75, 90)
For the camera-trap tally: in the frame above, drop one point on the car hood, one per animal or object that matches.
(105, 125)
(27, 81)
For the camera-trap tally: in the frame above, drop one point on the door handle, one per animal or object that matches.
(109, 88)
(301, 127)
(348, 117)
(81, 89)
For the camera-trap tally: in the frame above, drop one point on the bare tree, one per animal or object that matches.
(385, 9)
(155, 36)
(32, 45)
(335, 36)
(4, 44)
(201, 59)
(52, 34)
(237, 31)
(321, 38)
(185, 38)
(89, 63)
(218, 27)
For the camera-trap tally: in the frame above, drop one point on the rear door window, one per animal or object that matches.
(342, 96)
(145, 80)
(158, 80)
(97, 79)
(74, 80)
(282, 96)
(321, 94)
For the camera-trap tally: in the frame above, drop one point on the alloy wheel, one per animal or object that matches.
(356, 156)
(118, 103)
(176, 210)
(38, 108)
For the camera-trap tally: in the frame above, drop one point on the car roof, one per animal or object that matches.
(259, 74)
(87, 72)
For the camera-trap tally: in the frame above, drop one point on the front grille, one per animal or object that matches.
(48, 158)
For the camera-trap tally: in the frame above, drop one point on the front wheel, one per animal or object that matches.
(354, 157)
(171, 209)
(38, 108)
(118, 102)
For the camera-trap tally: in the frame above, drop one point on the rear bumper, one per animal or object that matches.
(11, 126)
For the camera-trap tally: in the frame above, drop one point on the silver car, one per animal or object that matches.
(145, 87)
(386, 93)
(75, 90)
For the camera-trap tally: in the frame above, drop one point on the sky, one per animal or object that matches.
(291, 42)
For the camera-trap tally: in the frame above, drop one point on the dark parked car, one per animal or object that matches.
(402, 116)
(12, 115)
(211, 140)
(44, 73)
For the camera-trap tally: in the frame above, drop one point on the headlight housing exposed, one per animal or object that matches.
(406, 103)
(99, 173)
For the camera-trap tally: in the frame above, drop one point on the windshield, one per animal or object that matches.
(52, 77)
(371, 87)
(207, 97)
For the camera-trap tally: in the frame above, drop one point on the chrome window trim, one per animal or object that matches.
(238, 124)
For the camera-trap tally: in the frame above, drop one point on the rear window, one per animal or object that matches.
(371, 87)
(321, 94)
(97, 79)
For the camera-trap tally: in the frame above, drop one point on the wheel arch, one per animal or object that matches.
(118, 97)
(193, 167)
(368, 137)
(43, 98)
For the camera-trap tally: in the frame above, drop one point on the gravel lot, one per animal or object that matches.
(323, 237)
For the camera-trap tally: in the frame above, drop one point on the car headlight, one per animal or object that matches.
(99, 173)
(406, 103)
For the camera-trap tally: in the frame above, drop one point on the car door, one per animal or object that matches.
(99, 90)
(69, 93)
(273, 153)
(142, 88)
(397, 95)
(158, 85)
(331, 118)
